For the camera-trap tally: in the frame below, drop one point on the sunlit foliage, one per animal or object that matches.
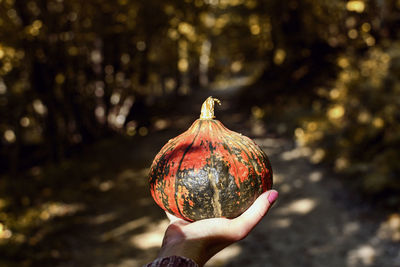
(355, 122)
(68, 69)
(358, 126)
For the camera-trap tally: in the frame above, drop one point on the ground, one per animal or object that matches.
(101, 213)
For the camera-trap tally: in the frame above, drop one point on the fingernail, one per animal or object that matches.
(273, 195)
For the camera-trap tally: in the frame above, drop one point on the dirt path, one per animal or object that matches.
(116, 223)
(314, 222)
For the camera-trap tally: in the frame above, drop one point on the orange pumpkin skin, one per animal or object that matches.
(209, 171)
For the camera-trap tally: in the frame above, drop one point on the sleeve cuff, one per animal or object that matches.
(172, 261)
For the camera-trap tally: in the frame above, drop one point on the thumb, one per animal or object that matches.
(253, 215)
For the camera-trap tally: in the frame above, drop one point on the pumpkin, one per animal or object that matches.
(209, 171)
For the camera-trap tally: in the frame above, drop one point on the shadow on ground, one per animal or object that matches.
(93, 210)
(315, 222)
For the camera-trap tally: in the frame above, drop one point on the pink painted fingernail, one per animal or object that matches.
(273, 195)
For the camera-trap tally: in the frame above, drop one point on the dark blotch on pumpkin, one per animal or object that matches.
(197, 183)
(233, 200)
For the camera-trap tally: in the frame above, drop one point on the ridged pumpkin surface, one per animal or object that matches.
(209, 171)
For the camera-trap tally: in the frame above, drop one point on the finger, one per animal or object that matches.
(253, 215)
(171, 217)
(175, 220)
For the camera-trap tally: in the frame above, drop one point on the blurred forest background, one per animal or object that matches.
(76, 73)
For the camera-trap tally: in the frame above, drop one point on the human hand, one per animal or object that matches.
(203, 239)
